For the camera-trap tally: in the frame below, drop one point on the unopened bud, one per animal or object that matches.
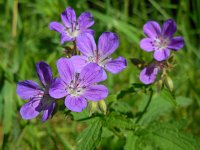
(159, 85)
(138, 63)
(169, 83)
(102, 106)
(92, 107)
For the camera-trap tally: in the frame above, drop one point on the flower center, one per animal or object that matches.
(160, 43)
(73, 31)
(98, 59)
(74, 88)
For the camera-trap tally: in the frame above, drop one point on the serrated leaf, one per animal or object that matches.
(166, 95)
(91, 136)
(131, 140)
(111, 98)
(134, 88)
(120, 106)
(166, 136)
(158, 107)
(120, 121)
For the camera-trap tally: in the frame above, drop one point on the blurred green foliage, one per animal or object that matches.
(25, 38)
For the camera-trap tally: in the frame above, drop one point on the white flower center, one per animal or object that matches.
(73, 31)
(74, 88)
(160, 43)
(98, 59)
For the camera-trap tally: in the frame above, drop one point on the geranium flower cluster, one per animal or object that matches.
(161, 41)
(79, 75)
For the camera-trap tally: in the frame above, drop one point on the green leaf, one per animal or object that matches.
(131, 140)
(111, 98)
(166, 95)
(134, 88)
(81, 115)
(157, 108)
(91, 136)
(183, 101)
(120, 121)
(120, 106)
(8, 106)
(167, 136)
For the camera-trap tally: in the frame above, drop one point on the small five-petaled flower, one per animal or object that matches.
(107, 44)
(161, 40)
(72, 28)
(76, 87)
(38, 97)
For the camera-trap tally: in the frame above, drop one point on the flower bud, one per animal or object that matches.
(159, 85)
(168, 83)
(102, 106)
(92, 107)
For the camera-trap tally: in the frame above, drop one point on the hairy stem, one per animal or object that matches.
(146, 107)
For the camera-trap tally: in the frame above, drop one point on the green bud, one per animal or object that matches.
(169, 83)
(159, 85)
(102, 106)
(92, 107)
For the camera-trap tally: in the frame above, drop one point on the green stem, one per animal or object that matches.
(146, 107)
(14, 19)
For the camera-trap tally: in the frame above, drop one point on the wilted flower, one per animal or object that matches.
(78, 87)
(107, 44)
(38, 97)
(73, 28)
(161, 40)
(148, 74)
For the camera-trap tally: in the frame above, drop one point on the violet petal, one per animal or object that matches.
(76, 104)
(152, 29)
(86, 44)
(116, 65)
(107, 44)
(161, 54)
(29, 111)
(176, 43)
(68, 17)
(96, 92)
(44, 73)
(65, 38)
(47, 113)
(58, 89)
(66, 70)
(27, 89)
(90, 74)
(169, 28)
(56, 26)
(148, 77)
(85, 20)
(88, 31)
(146, 44)
(79, 62)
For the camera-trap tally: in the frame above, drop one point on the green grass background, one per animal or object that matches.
(25, 39)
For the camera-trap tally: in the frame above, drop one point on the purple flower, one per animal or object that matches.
(148, 74)
(161, 40)
(107, 44)
(73, 28)
(38, 97)
(77, 88)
